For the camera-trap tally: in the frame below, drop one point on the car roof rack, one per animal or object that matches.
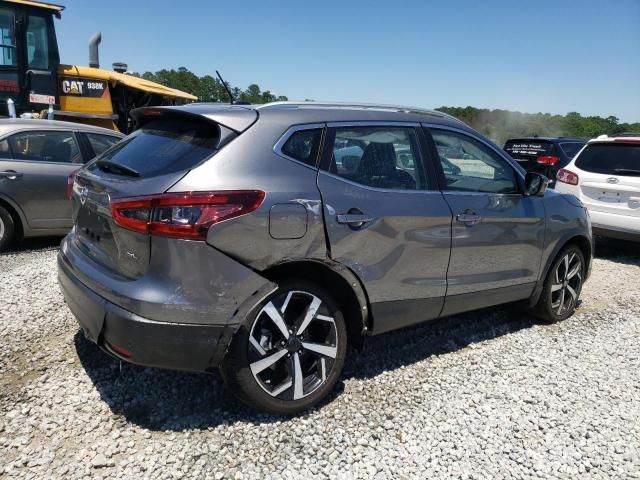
(356, 105)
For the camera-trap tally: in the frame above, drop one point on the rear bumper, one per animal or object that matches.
(140, 340)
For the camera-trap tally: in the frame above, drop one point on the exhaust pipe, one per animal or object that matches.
(94, 41)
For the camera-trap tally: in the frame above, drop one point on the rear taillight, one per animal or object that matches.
(548, 160)
(183, 215)
(71, 179)
(566, 176)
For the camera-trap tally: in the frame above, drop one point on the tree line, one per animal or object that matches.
(499, 125)
(208, 88)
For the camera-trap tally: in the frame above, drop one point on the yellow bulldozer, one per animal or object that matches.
(33, 82)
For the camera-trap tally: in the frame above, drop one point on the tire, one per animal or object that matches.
(7, 229)
(290, 351)
(562, 287)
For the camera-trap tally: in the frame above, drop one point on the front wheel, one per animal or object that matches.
(290, 352)
(562, 286)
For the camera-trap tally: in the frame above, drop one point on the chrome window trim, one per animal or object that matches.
(519, 170)
(373, 123)
(277, 148)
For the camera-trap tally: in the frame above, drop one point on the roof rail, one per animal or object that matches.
(363, 106)
(625, 134)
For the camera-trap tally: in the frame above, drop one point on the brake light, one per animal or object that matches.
(71, 179)
(186, 215)
(566, 176)
(548, 160)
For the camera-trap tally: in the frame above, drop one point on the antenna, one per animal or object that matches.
(226, 87)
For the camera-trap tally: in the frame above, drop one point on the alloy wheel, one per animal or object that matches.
(1, 228)
(293, 345)
(566, 283)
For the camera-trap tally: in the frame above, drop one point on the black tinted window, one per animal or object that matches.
(380, 157)
(164, 146)
(99, 143)
(471, 166)
(610, 158)
(571, 148)
(303, 145)
(45, 146)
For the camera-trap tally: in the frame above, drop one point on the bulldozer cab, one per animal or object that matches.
(29, 56)
(32, 76)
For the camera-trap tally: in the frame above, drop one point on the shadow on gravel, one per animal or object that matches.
(618, 251)
(31, 244)
(165, 400)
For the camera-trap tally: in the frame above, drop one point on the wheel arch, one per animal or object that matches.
(341, 283)
(583, 242)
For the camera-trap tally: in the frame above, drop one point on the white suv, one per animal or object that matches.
(605, 176)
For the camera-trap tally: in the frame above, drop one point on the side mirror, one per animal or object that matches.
(535, 184)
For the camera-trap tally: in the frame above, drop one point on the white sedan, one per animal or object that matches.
(605, 176)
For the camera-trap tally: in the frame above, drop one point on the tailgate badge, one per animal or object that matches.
(132, 256)
(612, 180)
(84, 193)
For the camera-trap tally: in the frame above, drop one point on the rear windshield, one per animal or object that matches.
(164, 146)
(571, 148)
(527, 148)
(610, 158)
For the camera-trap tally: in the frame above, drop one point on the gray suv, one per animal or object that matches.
(261, 240)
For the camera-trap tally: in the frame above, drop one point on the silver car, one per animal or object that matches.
(36, 159)
(230, 237)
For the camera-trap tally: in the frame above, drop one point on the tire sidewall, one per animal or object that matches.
(9, 228)
(238, 375)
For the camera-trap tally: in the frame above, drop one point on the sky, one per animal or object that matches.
(530, 56)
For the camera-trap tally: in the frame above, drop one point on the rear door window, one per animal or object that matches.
(164, 146)
(45, 146)
(380, 157)
(610, 159)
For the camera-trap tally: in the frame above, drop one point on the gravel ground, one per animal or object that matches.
(490, 394)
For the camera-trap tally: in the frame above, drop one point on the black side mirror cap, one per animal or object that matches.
(535, 184)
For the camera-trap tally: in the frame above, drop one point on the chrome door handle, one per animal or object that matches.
(10, 174)
(468, 217)
(354, 218)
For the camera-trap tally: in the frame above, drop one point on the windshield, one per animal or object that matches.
(161, 147)
(610, 158)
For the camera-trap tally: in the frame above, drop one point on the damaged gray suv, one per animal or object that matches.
(262, 240)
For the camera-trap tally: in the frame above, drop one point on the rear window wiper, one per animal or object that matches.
(117, 168)
(629, 171)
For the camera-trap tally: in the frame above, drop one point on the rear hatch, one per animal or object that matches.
(610, 177)
(168, 144)
(527, 153)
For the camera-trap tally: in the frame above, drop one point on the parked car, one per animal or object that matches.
(544, 155)
(36, 158)
(228, 236)
(605, 176)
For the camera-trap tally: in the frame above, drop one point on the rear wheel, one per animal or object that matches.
(290, 353)
(562, 286)
(7, 229)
